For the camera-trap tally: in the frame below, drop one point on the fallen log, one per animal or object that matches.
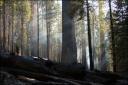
(28, 63)
(45, 70)
(42, 76)
(25, 62)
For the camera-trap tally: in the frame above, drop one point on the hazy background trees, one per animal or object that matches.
(93, 33)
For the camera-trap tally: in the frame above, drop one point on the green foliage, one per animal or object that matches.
(26, 10)
(22, 8)
(1, 2)
(77, 7)
(121, 35)
(126, 1)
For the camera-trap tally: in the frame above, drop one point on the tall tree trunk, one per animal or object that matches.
(89, 38)
(69, 49)
(37, 29)
(22, 33)
(112, 38)
(27, 51)
(84, 60)
(4, 27)
(47, 27)
(8, 26)
(9, 29)
(102, 27)
(12, 28)
(1, 40)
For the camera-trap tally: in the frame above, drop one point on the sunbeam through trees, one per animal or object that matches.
(58, 40)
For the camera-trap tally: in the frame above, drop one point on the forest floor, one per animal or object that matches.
(26, 71)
